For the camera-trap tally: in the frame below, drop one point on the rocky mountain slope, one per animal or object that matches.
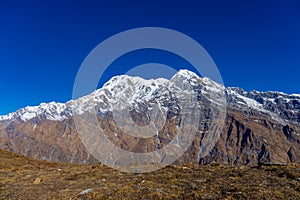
(257, 126)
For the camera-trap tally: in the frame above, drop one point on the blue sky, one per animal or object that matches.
(255, 44)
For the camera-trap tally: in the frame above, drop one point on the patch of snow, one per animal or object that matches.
(34, 127)
(247, 101)
(27, 116)
(270, 99)
(295, 95)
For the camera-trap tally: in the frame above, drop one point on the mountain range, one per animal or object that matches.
(232, 126)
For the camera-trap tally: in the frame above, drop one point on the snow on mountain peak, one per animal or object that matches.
(51, 111)
(124, 80)
(186, 73)
(296, 95)
(132, 90)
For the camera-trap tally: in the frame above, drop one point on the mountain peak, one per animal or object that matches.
(136, 80)
(186, 73)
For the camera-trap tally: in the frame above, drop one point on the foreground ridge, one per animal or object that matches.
(26, 178)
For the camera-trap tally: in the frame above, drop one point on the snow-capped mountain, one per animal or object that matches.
(279, 105)
(258, 126)
(119, 89)
(132, 90)
(51, 111)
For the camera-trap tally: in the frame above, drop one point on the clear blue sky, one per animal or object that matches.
(255, 44)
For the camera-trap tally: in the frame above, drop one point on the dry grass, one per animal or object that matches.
(25, 178)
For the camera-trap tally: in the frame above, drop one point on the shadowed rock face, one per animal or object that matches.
(248, 140)
(258, 127)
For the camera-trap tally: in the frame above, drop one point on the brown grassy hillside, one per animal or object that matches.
(25, 178)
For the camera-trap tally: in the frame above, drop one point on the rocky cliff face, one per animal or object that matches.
(249, 140)
(258, 127)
